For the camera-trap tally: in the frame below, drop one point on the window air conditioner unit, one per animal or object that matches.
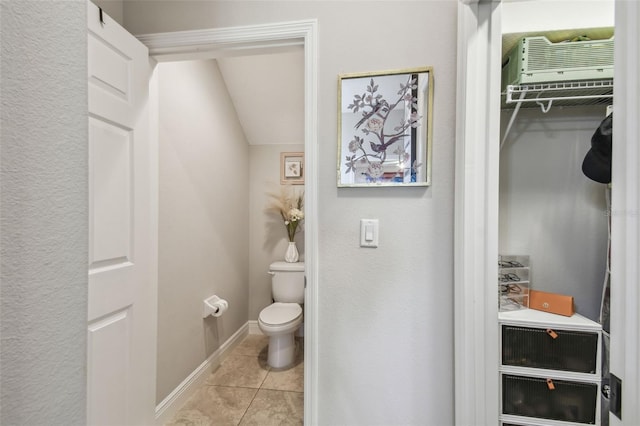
(537, 60)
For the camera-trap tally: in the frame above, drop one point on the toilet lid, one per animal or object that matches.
(280, 313)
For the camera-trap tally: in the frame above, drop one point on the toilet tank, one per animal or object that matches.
(287, 282)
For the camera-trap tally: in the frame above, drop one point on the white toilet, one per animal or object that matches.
(281, 319)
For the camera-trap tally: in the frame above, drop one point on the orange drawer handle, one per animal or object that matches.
(552, 333)
(550, 384)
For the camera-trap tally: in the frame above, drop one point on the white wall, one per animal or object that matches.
(549, 209)
(268, 236)
(203, 218)
(268, 93)
(385, 315)
(43, 215)
(547, 15)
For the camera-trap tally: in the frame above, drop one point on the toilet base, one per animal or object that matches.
(282, 350)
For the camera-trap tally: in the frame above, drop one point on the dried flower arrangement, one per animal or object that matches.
(289, 204)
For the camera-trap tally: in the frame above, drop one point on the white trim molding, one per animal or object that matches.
(625, 212)
(219, 42)
(311, 224)
(254, 328)
(476, 213)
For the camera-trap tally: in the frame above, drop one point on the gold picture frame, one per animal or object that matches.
(385, 127)
(292, 168)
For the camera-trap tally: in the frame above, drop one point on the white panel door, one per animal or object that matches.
(122, 277)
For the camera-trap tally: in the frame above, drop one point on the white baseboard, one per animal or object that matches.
(176, 399)
(254, 328)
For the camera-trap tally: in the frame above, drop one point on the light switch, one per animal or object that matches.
(368, 232)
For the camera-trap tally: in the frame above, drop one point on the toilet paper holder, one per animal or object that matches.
(214, 306)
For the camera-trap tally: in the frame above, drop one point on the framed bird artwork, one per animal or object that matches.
(384, 128)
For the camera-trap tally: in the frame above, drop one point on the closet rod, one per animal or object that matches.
(555, 98)
(547, 93)
(576, 90)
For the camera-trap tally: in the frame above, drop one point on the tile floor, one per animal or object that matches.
(244, 390)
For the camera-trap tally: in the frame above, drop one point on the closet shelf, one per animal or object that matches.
(545, 95)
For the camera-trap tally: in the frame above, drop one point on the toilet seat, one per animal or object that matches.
(280, 314)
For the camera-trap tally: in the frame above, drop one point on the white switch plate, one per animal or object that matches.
(368, 232)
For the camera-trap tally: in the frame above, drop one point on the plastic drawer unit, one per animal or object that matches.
(549, 369)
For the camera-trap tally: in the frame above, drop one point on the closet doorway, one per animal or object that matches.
(548, 209)
(477, 165)
(557, 87)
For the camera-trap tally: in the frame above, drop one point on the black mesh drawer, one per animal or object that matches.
(532, 397)
(535, 347)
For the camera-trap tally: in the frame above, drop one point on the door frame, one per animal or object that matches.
(476, 386)
(219, 42)
(625, 212)
(476, 212)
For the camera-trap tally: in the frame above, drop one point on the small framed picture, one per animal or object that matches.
(292, 168)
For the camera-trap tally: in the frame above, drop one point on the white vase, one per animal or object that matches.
(291, 255)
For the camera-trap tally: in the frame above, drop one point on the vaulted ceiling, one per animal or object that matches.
(267, 91)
